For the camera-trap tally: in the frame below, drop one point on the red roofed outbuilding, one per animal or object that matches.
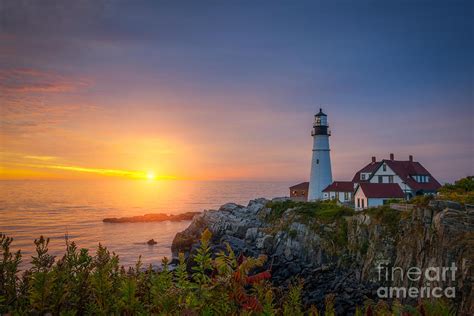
(375, 194)
(340, 190)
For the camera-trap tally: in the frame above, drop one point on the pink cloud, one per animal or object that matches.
(29, 80)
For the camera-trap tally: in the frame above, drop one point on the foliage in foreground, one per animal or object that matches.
(461, 191)
(80, 284)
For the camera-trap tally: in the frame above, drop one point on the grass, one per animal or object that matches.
(385, 215)
(325, 218)
(421, 200)
(325, 211)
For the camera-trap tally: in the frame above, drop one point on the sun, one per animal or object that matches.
(150, 176)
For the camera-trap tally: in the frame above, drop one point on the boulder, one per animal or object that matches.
(344, 262)
(151, 242)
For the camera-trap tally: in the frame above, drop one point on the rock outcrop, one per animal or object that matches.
(341, 255)
(154, 217)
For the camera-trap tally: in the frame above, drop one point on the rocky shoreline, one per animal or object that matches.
(339, 255)
(155, 217)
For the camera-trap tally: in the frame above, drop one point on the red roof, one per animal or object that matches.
(381, 190)
(300, 186)
(406, 169)
(340, 186)
(371, 167)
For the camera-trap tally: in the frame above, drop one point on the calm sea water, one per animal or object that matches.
(29, 209)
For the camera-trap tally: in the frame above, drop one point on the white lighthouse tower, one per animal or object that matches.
(321, 174)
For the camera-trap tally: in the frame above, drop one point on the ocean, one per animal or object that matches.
(54, 208)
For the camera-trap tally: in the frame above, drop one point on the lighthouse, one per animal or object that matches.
(321, 174)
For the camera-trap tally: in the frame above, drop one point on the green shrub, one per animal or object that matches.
(324, 211)
(385, 216)
(81, 284)
(421, 200)
(461, 191)
(292, 305)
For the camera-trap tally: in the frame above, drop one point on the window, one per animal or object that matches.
(384, 167)
(363, 203)
(346, 196)
(317, 161)
(380, 179)
(390, 179)
(362, 176)
(421, 179)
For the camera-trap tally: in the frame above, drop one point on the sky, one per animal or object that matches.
(227, 90)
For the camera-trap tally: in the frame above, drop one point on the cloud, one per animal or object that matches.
(99, 171)
(37, 100)
(43, 158)
(26, 80)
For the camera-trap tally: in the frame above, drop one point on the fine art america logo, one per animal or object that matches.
(431, 278)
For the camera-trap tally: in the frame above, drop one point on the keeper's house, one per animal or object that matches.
(410, 175)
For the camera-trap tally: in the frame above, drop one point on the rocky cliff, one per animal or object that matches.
(335, 250)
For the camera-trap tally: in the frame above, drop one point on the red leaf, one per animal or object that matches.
(265, 275)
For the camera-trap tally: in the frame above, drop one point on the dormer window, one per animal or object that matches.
(384, 167)
(362, 176)
(421, 179)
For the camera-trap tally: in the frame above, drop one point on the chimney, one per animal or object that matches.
(373, 159)
(410, 157)
(392, 157)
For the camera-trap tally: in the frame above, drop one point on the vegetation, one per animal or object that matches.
(461, 191)
(421, 200)
(225, 284)
(325, 211)
(326, 218)
(385, 215)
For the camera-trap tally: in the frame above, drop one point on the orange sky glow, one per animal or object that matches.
(107, 89)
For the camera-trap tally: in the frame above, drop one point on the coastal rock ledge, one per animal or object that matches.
(339, 252)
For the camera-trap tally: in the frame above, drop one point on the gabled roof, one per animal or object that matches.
(380, 190)
(340, 186)
(406, 169)
(371, 167)
(300, 186)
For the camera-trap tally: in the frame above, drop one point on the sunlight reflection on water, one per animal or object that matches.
(29, 209)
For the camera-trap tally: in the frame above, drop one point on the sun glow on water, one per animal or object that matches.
(150, 175)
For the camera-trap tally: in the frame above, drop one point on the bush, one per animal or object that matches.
(421, 200)
(81, 284)
(461, 191)
(325, 211)
(385, 215)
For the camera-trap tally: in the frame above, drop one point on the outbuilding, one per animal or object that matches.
(375, 194)
(340, 190)
(299, 192)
